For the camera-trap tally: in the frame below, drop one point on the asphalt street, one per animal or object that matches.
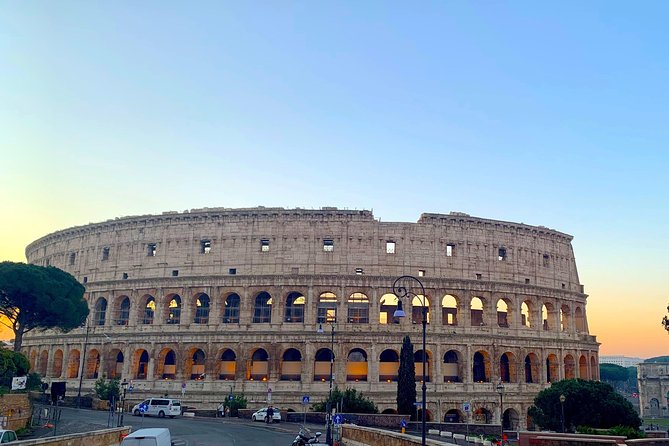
(186, 431)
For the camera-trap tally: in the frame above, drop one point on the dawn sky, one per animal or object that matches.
(550, 114)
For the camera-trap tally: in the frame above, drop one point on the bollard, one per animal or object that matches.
(403, 430)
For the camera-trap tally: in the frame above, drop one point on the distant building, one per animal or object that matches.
(622, 361)
(653, 381)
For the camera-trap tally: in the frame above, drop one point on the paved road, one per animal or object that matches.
(186, 431)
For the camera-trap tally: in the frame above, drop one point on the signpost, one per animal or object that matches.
(467, 407)
(305, 403)
(183, 389)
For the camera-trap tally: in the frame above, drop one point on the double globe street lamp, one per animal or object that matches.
(407, 287)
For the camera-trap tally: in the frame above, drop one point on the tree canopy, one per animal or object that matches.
(37, 297)
(351, 401)
(587, 403)
(612, 372)
(406, 380)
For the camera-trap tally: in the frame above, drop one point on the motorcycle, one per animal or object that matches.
(304, 437)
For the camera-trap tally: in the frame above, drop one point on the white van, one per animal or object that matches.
(149, 437)
(159, 407)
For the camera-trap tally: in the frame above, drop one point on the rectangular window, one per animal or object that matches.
(205, 246)
(478, 276)
(125, 276)
(390, 247)
(328, 245)
(421, 273)
(326, 314)
(359, 271)
(547, 259)
(85, 279)
(527, 281)
(264, 245)
(73, 257)
(151, 249)
(232, 271)
(175, 272)
(358, 315)
(449, 250)
(501, 254)
(105, 253)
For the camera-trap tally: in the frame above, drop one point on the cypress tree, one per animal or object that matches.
(406, 380)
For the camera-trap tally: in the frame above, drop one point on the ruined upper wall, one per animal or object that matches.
(534, 255)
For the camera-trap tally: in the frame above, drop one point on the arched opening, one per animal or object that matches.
(358, 308)
(73, 364)
(140, 364)
(327, 307)
(502, 313)
(481, 367)
(482, 416)
(418, 361)
(579, 320)
(389, 411)
(123, 315)
(92, 367)
(291, 365)
(167, 364)
(388, 305)
(507, 367)
(356, 365)
(43, 363)
(525, 315)
(58, 363)
(583, 368)
(294, 311)
(149, 311)
(451, 366)
(100, 311)
(195, 364)
(428, 415)
(476, 310)
(389, 364)
(202, 309)
(449, 310)
(231, 312)
(453, 416)
(552, 370)
(654, 406)
(114, 363)
(569, 367)
(322, 361)
(594, 370)
(262, 308)
(510, 420)
(174, 310)
(546, 313)
(565, 318)
(258, 369)
(417, 304)
(227, 367)
(531, 368)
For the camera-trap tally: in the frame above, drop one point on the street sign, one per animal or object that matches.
(305, 399)
(131, 388)
(231, 397)
(143, 408)
(403, 423)
(466, 407)
(337, 419)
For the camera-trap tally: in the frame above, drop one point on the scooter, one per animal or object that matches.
(304, 438)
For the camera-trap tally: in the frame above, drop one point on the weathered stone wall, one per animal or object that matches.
(105, 437)
(15, 411)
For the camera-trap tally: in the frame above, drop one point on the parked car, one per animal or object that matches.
(261, 415)
(159, 407)
(149, 437)
(7, 436)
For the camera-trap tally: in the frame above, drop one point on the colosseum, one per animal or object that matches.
(220, 301)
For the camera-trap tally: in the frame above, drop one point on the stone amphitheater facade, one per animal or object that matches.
(217, 301)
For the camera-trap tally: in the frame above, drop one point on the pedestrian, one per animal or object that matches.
(221, 409)
(227, 411)
(270, 415)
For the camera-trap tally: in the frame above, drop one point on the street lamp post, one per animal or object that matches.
(124, 385)
(562, 400)
(82, 367)
(403, 288)
(500, 390)
(328, 407)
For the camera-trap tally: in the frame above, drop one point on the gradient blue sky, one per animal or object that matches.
(550, 114)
